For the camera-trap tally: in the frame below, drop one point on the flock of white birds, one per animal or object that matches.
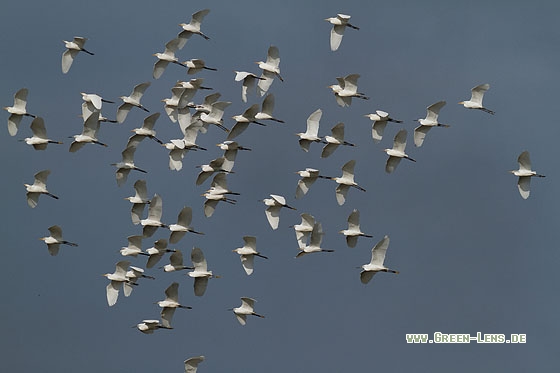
(196, 118)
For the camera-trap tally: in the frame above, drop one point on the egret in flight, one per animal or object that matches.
(246, 309)
(376, 264)
(88, 135)
(153, 221)
(353, 231)
(431, 120)
(126, 165)
(314, 242)
(117, 279)
(270, 69)
(183, 225)
(308, 177)
(72, 49)
(333, 141)
(347, 88)
(248, 252)
(148, 326)
(477, 94)
(138, 200)
(345, 182)
(274, 205)
(201, 274)
(38, 187)
(157, 251)
(193, 27)
(39, 141)
(191, 365)
(525, 173)
(248, 82)
(304, 229)
(396, 153)
(311, 133)
(170, 304)
(132, 101)
(380, 119)
(17, 111)
(55, 240)
(337, 32)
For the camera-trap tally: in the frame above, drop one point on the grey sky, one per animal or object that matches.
(473, 256)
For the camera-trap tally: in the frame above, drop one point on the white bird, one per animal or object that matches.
(397, 152)
(248, 252)
(183, 225)
(132, 101)
(380, 119)
(311, 133)
(207, 170)
(339, 25)
(134, 247)
(88, 109)
(94, 100)
(217, 192)
(347, 88)
(477, 94)
(190, 89)
(242, 121)
(308, 177)
(147, 130)
(153, 222)
(270, 69)
(353, 231)
(17, 111)
(148, 326)
(88, 135)
(215, 115)
(314, 242)
(175, 262)
(133, 274)
(38, 187)
(267, 107)
(196, 65)
(170, 304)
(39, 141)
(525, 173)
(191, 365)
(193, 27)
(139, 200)
(431, 120)
(117, 279)
(72, 49)
(345, 182)
(55, 240)
(248, 80)
(246, 309)
(206, 106)
(376, 264)
(201, 274)
(179, 147)
(332, 142)
(157, 251)
(166, 57)
(304, 229)
(126, 165)
(172, 104)
(274, 205)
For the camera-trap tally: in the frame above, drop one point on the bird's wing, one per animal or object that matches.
(203, 176)
(303, 186)
(153, 259)
(341, 191)
(122, 175)
(140, 189)
(351, 82)
(176, 259)
(113, 292)
(56, 232)
(172, 46)
(377, 130)
(477, 93)
(159, 68)
(399, 142)
(268, 104)
(67, 59)
(432, 111)
(41, 178)
(524, 185)
(420, 134)
(524, 161)
(241, 318)
(304, 144)
(210, 207)
(75, 146)
(176, 236)
(91, 125)
(150, 121)
(354, 220)
(343, 101)
(128, 154)
(247, 263)
(251, 242)
(328, 150)
(237, 130)
(392, 163)
(200, 284)
(38, 128)
(301, 238)
(32, 199)
(366, 276)
(80, 41)
(379, 250)
(127, 289)
(307, 220)
(185, 217)
(313, 122)
(248, 83)
(348, 170)
(87, 109)
(219, 182)
(121, 268)
(122, 112)
(167, 315)
(192, 364)
(20, 99)
(338, 131)
(134, 140)
(337, 32)
(217, 111)
(264, 84)
(135, 242)
(279, 199)
(176, 159)
(13, 123)
(351, 241)
(139, 90)
(172, 291)
(273, 56)
(316, 235)
(197, 17)
(53, 248)
(155, 209)
(247, 303)
(198, 260)
(136, 212)
(273, 216)
(183, 37)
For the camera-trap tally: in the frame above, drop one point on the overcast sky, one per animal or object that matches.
(473, 255)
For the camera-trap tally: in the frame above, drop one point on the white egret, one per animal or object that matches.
(190, 89)
(179, 147)
(248, 80)
(217, 192)
(339, 25)
(206, 106)
(270, 69)
(332, 142)
(196, 65)
(201, 274)
(274, 205)
(133, 274)
(304, 229)
(431, 120)
(153, 222)
(94, 100)
(191, 365)
(134, 247)
(148, 326)
(242, 121)
(132, 101)
(477, 94)
(267, 107)
(55, 240)
(246, 309)
(175, 262)
(117, 279)
(525, 173)
(147, 130)
(345, 182)
(248, 252)
(193, 27)
(183, 225)
(17, 111)
(353, 231)
(38, 187)
(173, 103)
(39, 141)
(88, 135)
(157, 251)
(380, 119)
(207, 170)
(139, 200)
(126, 165)
(72, 49)
(166, 57)
(376, 264)
(88, 109)
(308, 177)
(314, 242)
(215, 115)
(170, 304)
(397, 152)
(347, 88)
(311, 133)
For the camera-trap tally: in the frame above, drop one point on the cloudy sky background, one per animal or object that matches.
(473, 256)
